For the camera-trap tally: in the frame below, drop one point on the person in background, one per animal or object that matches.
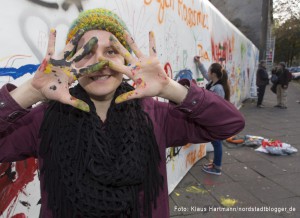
(262, 80)
(284, 77)
(218, 83)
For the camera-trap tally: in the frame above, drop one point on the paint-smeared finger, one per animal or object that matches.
(127, 96)
(75, 102)
(152, 45)
(90, 69)
(133, 45)
(120, 48)
(70, 48)
(86, 49)
(51, 42)
(121, 68)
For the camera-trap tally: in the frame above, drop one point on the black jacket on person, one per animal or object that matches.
(262, 77)
(284, 77)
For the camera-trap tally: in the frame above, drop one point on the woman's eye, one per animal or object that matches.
(111, 52)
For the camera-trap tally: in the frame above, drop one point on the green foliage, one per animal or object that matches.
(287, 31)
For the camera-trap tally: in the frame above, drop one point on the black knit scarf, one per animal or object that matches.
(97, 170)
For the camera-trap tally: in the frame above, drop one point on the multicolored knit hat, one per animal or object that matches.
(99, 19)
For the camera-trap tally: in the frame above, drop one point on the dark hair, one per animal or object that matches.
(282, 64)
(223, 78)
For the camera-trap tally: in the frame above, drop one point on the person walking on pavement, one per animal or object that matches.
(218, 83)
(284, 77)
(262, 80)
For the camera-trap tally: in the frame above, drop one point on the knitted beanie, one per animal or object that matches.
(99, 19)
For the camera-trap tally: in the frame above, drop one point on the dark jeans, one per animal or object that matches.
(217, 152)
(260, 94)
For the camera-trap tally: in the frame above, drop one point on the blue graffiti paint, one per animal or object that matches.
(18, 72)
(184, 74)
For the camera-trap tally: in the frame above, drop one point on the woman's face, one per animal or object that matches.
(100, 85)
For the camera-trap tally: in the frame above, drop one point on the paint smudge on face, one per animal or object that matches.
(53, 87)
(228, 202)
(196, 190)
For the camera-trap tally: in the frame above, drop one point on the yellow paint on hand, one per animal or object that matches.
(67, 71)
(151, 34)
(81, 105)
(228, 202)
(48, 68)
(124, 97)
(196, 190)
(127, 54)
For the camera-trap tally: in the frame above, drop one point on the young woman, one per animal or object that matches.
(218, 83)
(101, 145)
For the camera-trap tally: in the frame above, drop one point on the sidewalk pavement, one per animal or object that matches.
(250, 180)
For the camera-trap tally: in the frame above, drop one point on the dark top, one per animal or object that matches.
(262, 77)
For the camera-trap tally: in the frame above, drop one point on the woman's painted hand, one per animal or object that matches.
(146, 72)
(57, 73)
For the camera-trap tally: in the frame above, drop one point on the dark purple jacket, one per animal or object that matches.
(201, 117)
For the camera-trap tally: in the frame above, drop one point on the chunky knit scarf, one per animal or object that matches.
(93, 169)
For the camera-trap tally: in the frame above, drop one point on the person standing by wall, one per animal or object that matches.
(284, 77)
(218, 83)
(262, 80)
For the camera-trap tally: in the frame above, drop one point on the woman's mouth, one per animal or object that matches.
(102, 77)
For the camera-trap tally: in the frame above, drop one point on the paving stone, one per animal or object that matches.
(208, 179)
(266, 190)
(266, 168)
(239, 172)
(290, 182)
(245, 155)
(188, 180)
(289, 163)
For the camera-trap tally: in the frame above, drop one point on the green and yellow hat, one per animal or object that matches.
(99, 19)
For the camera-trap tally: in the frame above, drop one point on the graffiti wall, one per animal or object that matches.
(183, 28)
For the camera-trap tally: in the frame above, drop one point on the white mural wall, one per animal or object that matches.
(183, 28)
